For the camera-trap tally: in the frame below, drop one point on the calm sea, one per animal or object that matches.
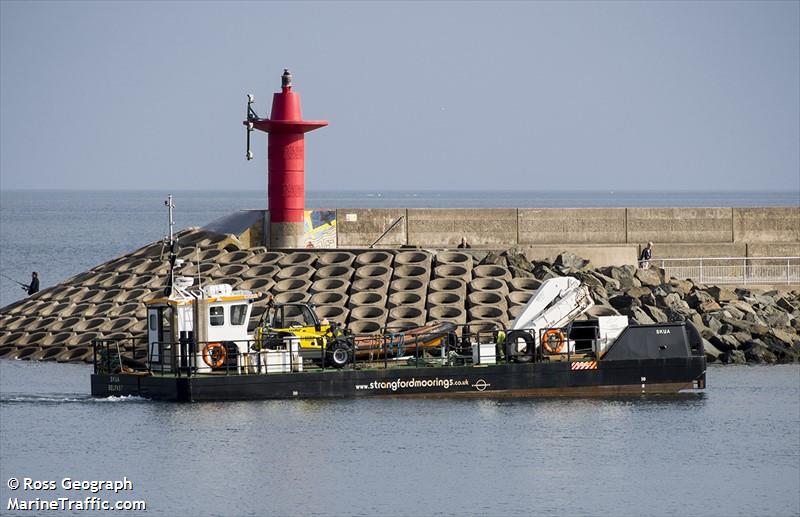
(732, 450)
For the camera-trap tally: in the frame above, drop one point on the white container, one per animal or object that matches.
(275, 361)
(484, 353)
(610, 327)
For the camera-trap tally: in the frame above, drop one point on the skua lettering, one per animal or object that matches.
(662, 331)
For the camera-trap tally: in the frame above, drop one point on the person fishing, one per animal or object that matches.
(31, 288)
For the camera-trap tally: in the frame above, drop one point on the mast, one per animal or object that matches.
(173, 245)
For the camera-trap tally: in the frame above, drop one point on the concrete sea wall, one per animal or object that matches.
(676, 232)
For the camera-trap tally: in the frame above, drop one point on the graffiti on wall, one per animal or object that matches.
(319, 228)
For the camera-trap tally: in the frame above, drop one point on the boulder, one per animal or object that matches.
(755, 351)
(712, 353)
(655, 313)
(698, 297)
(639, 292)
(721, 294)
(542, 271)
(639, 316)
(754, 318)
(650, 276)
(733, 312)
(782, 351)
(625, 275)
(570, 260)
(520, 273)
(786, 304)
(697, 320)
(712, 322)
(517, 260)
(624, 302)
(589, 279)
(742, 306)
(726, 343)
(495, 258)
(600, 295)
(745, 326)
(784, 337)
(778, 319)
(684, 287)
(760, 300)
(733, 357)
(609, 283)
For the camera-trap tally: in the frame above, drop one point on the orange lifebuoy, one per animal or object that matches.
(214, 355)
(553, 341)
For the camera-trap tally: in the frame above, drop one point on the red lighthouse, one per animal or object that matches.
(285, 163)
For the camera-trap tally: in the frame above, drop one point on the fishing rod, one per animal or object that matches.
(15, 281)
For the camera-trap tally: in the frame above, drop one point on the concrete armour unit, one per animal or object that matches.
(405, 299)
(330, 284)
(336, 258)
(367, 298)
(369, 284)
(298, 258)
(374, 258)
(329, 298)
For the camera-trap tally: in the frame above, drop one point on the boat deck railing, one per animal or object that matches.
(186, 357)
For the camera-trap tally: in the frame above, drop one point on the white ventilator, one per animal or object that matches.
(557, 302)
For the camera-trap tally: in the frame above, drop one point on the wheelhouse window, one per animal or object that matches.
(153, 321)
(238, 313)
(216, 316)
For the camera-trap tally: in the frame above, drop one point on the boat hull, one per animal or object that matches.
(548, 379)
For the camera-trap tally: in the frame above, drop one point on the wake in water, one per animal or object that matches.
(62, 398)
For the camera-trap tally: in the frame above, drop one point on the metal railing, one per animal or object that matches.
(733, 270)
(382, 351)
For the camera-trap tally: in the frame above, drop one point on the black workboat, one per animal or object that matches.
(664, 358)
(198, 347)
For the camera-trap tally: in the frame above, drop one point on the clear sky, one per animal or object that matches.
(419, 95)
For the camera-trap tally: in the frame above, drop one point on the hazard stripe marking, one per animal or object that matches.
(584, 365)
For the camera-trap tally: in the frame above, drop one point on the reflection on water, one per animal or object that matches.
(709, 453)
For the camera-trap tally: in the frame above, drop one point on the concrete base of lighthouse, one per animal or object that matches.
(286, 235)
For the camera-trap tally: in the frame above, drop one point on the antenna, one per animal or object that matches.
(251, 116)
(173, 246)
(170, 204)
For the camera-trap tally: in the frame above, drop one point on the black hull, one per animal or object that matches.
(502, 380)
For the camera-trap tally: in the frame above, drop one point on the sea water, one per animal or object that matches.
(731, 450)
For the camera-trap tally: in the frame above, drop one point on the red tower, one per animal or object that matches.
(285, 163)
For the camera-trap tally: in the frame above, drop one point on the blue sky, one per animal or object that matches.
(518, 95)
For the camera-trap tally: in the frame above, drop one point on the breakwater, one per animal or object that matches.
(606, 236)
(397, 288)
